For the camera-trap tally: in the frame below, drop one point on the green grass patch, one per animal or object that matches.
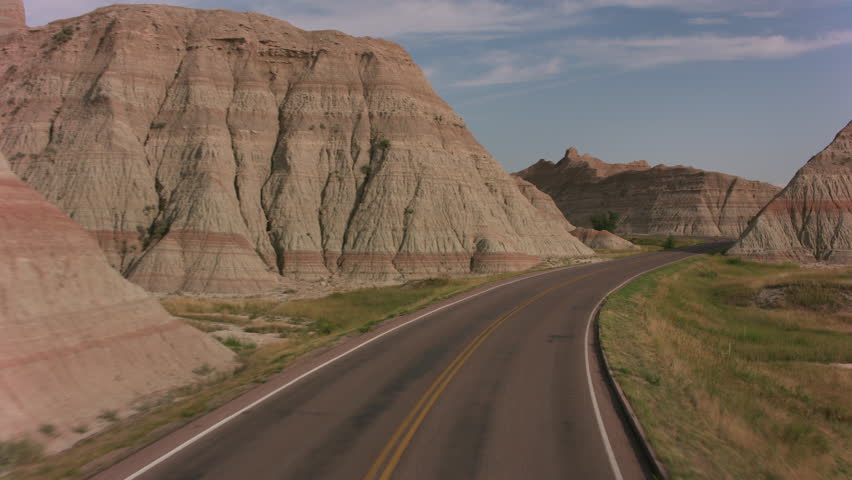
(726, 388)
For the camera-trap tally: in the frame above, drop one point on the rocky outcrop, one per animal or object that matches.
(602, 239)
(650, 200)
(77, 339)
(811, 219)
(211, 151)
(12, 16)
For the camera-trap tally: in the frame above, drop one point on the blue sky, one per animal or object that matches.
(749, 87)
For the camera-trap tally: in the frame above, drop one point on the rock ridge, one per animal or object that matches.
(666, 200)
(216, 151)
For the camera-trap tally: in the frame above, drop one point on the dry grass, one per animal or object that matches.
(727, 389)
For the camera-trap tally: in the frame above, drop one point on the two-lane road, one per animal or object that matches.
(491, 385)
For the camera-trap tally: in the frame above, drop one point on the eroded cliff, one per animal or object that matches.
(211, 151)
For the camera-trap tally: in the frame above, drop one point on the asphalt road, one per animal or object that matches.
(496, 386)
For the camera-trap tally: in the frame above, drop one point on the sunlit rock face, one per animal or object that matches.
(650, 200)
(811, 219)
(216, 151)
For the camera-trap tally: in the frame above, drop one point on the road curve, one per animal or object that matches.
(491, 385)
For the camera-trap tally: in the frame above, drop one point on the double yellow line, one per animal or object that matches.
(387, 461)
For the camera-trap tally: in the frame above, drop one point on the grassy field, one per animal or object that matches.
(737, 370)
(303, 326)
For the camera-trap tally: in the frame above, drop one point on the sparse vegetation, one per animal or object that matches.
(238, 345)
(726, 388)
(63, 35)
(109, 415)
(19, 452)
(80, 429)
(605, 220)
(204, 370)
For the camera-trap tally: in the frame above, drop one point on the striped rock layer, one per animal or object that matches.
(215, 151)
(811, 219)
(650, 200)
(76, 338)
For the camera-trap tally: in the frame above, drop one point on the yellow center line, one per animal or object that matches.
(407, 429)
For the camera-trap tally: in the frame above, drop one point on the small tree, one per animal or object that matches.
(669, 243)
(605, 220)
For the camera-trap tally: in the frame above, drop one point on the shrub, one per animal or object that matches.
(204, 370)
(383, 143)
(605, 220)
(47, 429)
(109, 415)
(80, 429)
(158, 125)
(669, 243)
(63, 35)
(236, 345)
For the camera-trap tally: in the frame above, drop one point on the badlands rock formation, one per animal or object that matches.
(12, 16)
(211, 151)
(660, 200)
(77, 339)
(811, 219)
(602, 239)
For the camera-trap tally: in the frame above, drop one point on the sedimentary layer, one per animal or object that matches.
(212, 151)
(650, 200)
(810, 221)
(77, 338)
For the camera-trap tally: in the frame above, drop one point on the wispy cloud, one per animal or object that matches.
(763, 13)
(507, 67)
(644, 52)
(394, 19)
(707, 21)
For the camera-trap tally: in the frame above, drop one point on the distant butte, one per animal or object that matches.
(664, 200)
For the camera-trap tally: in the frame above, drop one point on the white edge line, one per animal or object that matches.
(227, 419)
(612, 461)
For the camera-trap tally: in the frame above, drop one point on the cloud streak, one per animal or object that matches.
(404, 17)
(707, 21)
(507, 67)
(646, 52)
